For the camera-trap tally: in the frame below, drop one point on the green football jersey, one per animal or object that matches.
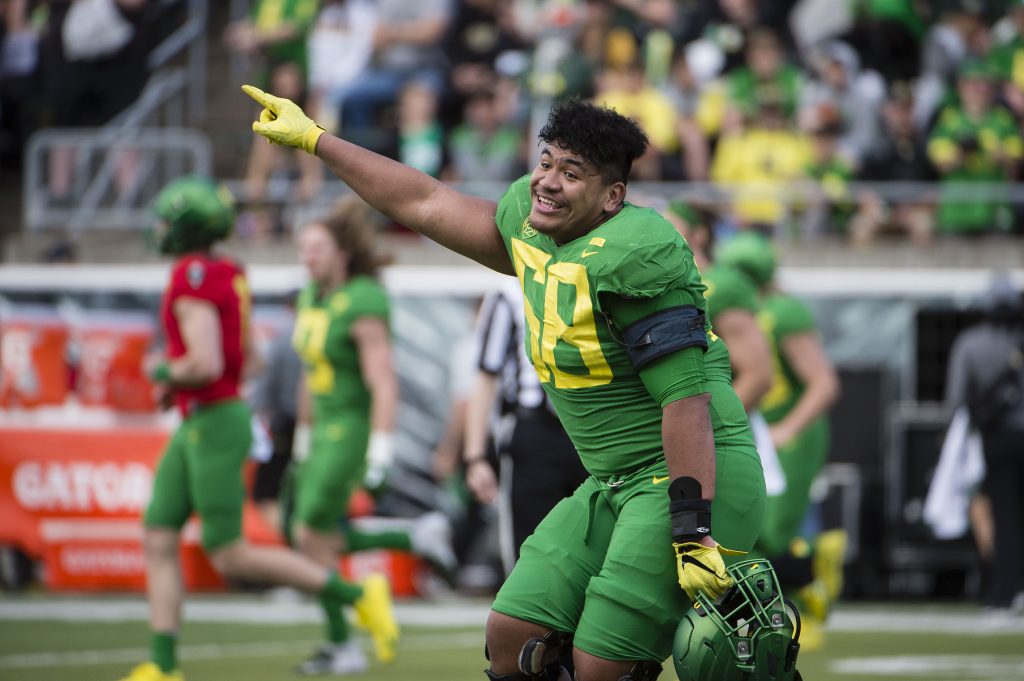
(781, 316)
(600, 399)
(323, 340)
(728, 289)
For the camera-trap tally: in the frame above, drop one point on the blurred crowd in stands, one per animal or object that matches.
(850, 118)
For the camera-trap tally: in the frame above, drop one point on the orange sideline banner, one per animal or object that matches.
(74, 498)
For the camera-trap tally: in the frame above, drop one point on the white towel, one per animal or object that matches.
(961, 467)
(262, 447)
(774, 477)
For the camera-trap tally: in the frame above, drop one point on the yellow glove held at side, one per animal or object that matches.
(700, 569)
(282, 121)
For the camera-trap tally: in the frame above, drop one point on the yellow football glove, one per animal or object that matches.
(282, 121)
(700, 569)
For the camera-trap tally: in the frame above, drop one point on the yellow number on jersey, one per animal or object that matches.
(782, 389)
(241, 286)
(531, 265)
(309, 340)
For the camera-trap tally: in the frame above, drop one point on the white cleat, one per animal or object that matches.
(335, 658)
(431, 537)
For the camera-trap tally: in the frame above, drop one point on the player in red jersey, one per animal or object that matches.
(205, 315)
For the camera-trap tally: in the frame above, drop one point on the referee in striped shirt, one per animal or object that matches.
(509, 414)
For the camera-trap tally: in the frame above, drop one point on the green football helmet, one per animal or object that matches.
(751, 634)
(195, 212)
(750, 253)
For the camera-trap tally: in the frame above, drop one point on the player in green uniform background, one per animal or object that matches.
(617, 331)
(796, 409)
(205, 314)
(732, 306)
(347, 406)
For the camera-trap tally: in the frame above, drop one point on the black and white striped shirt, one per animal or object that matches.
(502, 351)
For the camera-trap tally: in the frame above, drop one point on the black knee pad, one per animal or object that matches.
(542, 652)
(550, 673)
(644, 670)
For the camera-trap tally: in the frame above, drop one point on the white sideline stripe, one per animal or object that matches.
(211, 651)
(265, 611)
(453, 613)
(934, 666)
(472, 279)
(933, 622)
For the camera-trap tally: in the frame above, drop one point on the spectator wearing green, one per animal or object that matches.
(766, 76)
(831, 205)
(902, 12)
(484, 146)
(273, 39)
(275, 32)
(974, 141)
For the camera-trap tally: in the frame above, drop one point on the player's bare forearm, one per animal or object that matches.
(373, 342)
(806, 356)
(750, 353)
(383, 403)
(203, 361)
(689, 441)
(478, 410)
(462, 223)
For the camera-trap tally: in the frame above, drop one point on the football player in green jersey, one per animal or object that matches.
(617, 332)
(796, 409)
(349, 393)
(732, 306)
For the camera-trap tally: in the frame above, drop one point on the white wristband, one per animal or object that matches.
(300, 442)
(381, 450)
(379, 455)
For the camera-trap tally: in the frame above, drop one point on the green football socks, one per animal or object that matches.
(361, 541)
(163, 645)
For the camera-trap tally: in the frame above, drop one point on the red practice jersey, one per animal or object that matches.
(222, 283)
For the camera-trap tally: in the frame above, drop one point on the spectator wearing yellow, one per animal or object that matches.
(628, 93)
(761, 159)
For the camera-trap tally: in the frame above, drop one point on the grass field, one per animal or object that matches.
(48, 639)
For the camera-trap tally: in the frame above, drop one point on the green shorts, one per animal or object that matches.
(334, 469)
(201, 471)
(601, 564)
(801, 461)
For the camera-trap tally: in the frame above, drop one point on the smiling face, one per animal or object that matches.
(570, 196)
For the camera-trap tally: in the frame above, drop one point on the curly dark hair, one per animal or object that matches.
(605, 138)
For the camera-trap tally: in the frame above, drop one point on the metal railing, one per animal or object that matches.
(800, 203)
(190, 38)
(157, 155)
(149, 136)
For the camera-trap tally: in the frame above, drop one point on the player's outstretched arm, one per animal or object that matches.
(463, 223)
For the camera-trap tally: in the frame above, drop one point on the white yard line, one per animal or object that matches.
(255, 611)
(210, 651)
(946, 667)
(457, 612)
